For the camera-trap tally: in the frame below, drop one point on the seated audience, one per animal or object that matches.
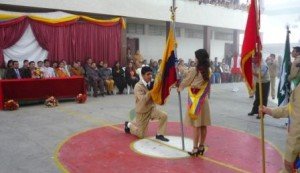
(47, 70)
(130, 74)
(55, 66)
(61, 71)
(119, 77)
(40, 64)
(106, 74)
(76, 70)
(8, 66)
(32, 69)
(67, 67)
(25, 71)
(13, 73)
(80, 67)
(94, 78)
(100, 65)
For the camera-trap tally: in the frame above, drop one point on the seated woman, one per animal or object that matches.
(76, 70)
(61, 71)
(131, 76)
(119, 77)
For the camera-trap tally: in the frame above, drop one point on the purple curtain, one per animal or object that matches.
(79, 40)
(10, 32)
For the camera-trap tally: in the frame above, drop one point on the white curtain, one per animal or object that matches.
(26, 48)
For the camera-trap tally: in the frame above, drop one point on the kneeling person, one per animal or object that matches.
(146, 109)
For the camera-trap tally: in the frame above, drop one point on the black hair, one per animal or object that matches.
(203, 63)
(146, 69)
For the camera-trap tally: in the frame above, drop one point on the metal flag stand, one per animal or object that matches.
(173, 11)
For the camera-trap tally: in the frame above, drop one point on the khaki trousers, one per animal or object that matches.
(273, 81)
(109, 85)
(139, 125)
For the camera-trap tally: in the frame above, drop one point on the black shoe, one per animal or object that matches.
(251, 113)
(126, 128)
(201, 150)
(102, 94)
(251, 97)
(162, 138)
(257, 117)
(195, 152)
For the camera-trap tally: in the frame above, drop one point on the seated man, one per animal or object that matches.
(146, 109)
(106, 75)
(93, 76)
(13, 73)
(47, 70)
(25, 71)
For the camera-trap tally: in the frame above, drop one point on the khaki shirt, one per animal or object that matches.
(273, 68)
(143, 100)
(192, 78)
(295, 71)
(293, 139)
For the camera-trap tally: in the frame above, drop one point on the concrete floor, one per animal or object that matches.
(30, 135)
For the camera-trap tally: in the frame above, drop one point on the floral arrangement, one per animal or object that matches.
(11, 105)
(51, 102)
(81, 98)
(38, 73)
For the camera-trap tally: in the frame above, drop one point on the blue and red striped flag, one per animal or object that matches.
(166, 75)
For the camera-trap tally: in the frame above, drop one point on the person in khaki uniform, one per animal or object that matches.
(273, 68)
(197, 79)
(138, 59)
(146, 109)
(295, 68)
(292, 110)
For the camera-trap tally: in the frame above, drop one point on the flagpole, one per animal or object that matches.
(262, 127)
(173, 10)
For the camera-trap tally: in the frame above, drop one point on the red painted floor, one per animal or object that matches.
(108, 150)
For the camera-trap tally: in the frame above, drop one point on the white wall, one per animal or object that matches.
(217, 48)
(187, 47)
(152, 47)
(187, 12)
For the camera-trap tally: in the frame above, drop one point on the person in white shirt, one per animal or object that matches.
(47, 70)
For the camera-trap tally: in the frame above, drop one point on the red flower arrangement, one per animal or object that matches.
(51, 102)
(81, 98)
(11, 105)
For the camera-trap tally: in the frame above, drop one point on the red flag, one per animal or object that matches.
(251, 45)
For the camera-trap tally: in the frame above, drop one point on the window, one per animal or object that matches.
(193, 33)
(177, 32)
(134, 28)
(224, 36)
(157, 30)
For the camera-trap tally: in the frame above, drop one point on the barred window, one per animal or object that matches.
(224, 36)
(193, 33)
(134, 28)
(157, 30)
(177, 32)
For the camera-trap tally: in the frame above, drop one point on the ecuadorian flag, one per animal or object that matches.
(166, 75)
